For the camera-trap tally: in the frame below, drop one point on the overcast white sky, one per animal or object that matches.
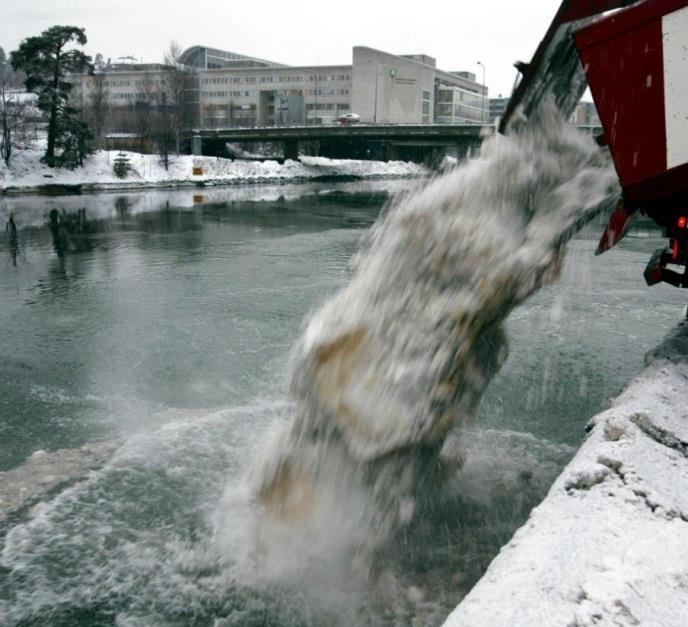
(457, 33)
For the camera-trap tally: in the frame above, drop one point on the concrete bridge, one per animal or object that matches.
(416, 142)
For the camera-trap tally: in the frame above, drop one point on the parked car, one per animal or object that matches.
(349, 118)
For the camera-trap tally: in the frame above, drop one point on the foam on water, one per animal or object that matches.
(131, 542)
(390, 365)
(143, 540)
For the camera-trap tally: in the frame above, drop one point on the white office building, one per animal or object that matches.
(227, 89)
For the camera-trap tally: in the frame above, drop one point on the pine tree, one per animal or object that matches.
(47, 60)
(72, 139)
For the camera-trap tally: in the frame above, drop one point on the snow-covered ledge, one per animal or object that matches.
(609, 544)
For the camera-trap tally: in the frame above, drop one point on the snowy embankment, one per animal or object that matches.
(609, 544)
(26, 173)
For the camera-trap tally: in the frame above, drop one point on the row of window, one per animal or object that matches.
(248, 94)
(329, 77)
(321, 106)
(146, 82)
(252, 80)
(328, 106)
(224, 80)
(143, 96)
(219, 111)
(228, 94)
(462, 111)
(460, 96)
(117, 83)
(327, 92)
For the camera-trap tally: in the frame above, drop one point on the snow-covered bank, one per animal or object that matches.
(609, 544)
(26, 173)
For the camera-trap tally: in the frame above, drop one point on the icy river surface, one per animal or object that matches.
(145, 350)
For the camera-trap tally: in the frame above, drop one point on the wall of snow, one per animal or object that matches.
(609, 544)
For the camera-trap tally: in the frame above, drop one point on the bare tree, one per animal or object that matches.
(154, 116)
(13, 111)
(143, 107)
(13, 79)
(99, 63)
(97, 110)
(174, 93)
(173, 53)
(164, 133)
(5, 120)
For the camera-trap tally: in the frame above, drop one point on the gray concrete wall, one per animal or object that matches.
(397, 82)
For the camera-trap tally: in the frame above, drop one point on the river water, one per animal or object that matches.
(145, 351)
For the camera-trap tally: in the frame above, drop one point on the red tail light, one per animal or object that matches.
(681, 222)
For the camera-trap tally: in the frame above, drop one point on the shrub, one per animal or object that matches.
(122, 165)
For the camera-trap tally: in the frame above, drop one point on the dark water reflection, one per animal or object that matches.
(123, 301)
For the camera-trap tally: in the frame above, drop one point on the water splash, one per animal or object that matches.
(380, 377)
(390, 365)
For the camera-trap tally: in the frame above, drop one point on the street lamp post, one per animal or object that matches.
(482, 112)
(377, 76)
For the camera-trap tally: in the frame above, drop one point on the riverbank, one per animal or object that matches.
(609, 544)
(27, 174)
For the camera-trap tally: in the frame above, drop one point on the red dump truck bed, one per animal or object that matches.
(635, 61)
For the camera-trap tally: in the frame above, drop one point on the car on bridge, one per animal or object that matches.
(349, 118)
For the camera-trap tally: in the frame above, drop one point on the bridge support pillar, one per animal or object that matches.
(291, 149)
(196, 145)
(390, 151)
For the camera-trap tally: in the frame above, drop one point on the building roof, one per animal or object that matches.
(203, 57)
